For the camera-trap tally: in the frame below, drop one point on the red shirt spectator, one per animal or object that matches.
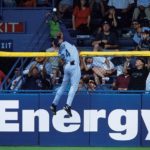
(2, 76)
(81, 16)
(122, 82)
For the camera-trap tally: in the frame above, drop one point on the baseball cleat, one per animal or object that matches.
(53, 109)
(68, 110)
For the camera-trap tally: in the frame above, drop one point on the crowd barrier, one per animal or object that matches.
(82, 53)
(98, 120)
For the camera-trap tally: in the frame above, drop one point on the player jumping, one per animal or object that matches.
(69, 54)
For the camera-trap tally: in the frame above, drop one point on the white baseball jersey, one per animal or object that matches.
(72, 73)
(69, 52)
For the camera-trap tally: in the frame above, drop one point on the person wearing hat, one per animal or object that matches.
(105, 39)
(138, 75)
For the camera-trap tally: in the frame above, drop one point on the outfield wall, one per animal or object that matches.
(98, 120)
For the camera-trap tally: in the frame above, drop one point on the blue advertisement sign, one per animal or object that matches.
(145, 113)
(65, 131)
(98, 120)
(12, 122)
(118, 120)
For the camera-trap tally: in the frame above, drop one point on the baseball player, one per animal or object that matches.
(69, 54)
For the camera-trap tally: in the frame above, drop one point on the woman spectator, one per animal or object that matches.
(81, 17)
(123, 11)
(112, 18)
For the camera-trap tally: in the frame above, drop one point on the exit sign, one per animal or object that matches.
(12, 27)
(6, 44)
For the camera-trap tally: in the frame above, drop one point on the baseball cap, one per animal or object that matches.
(141, 59)
(56, 42)
(136, 22)
(106, 22)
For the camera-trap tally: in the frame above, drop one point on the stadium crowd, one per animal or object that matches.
(98, 73)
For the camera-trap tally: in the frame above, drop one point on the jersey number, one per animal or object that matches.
(67, 53)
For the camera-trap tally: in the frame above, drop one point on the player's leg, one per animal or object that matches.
(60, 92)
(75, 79)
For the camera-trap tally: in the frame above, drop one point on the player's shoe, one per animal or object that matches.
(68, 110)
(53, 109)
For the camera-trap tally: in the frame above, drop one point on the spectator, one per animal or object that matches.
(138, 31)
(82, 86)
(142, 6)
(9, 3)
(36, 80)
(54, 25)
(86, 65)
(28, 3)
(63, 6)
(103, 68)
(130, 62)
(112, 18)
(138, 75)
(122, 81)
(39, 62)
(105, 39)
(144, 43)
(123, 11)
(91, 85)
(16, 83)
(81, 17)
(100, 68)
(2, 76)
(97, 7)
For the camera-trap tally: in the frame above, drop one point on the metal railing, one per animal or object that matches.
(41, 31)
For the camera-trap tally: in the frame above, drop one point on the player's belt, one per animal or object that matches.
(72, 62)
